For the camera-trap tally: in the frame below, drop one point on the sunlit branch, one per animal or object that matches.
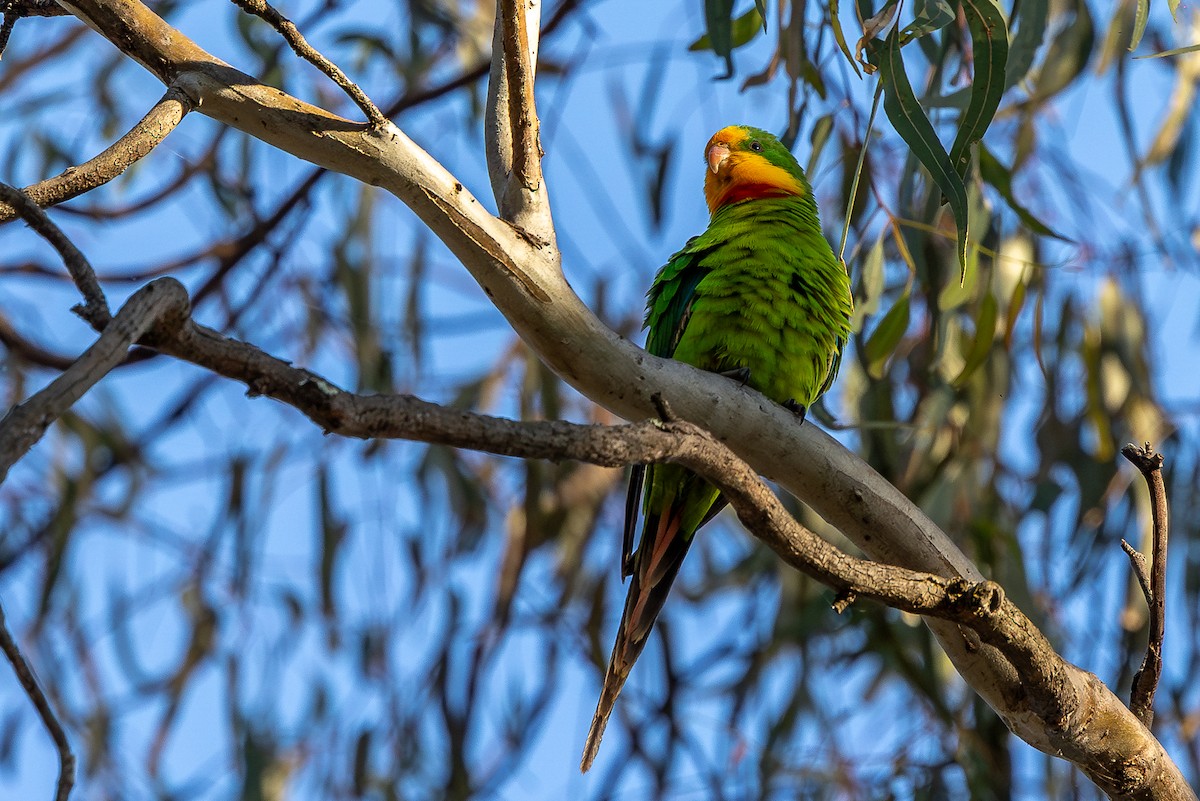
(94, 308)
(514, 149)
(114, 160)
(25, 675)
(291, 34)
(1154, 586)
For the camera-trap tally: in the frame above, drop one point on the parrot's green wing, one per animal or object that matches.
(669, 301)
(668, 307)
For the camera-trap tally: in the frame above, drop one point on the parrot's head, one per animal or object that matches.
(747, 163)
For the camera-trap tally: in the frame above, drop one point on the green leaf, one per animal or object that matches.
(1139, 23)
(931, 15)
(1000, 177)
(989, 46)
(981, 347)
(1174, 6)
(883, 340)
(1032, 21)
(870, 288)
(910, 122)
(761, 7)
(742, 30)
(1014, 311)
(1067, 56)
(954, 295)
(718, 20)
(1178, 51)
(819, 138)
(839, 36)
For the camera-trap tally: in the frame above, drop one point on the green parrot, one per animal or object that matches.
(759, 297)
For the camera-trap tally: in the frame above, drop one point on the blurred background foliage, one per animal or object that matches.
(223, 603)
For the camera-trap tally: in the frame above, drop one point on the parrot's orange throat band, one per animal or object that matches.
(747, 176)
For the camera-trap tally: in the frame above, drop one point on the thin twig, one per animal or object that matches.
(1145, 681)
(16, 9)
(6, 29)
(95, 307)
(291, 34)
(114, 160)
(66, 758)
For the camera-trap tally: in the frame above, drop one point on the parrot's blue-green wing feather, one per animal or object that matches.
(669, 301)
(668, 307)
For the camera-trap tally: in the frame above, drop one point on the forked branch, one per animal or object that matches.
(291, 34)
(1154, 585)
(95, 307)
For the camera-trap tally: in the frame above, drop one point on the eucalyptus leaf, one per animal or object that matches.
(742, 30)
(1139, 23)
(989, 46)
(884, 339)
(931, 15)
(981, 346)
(910, 122)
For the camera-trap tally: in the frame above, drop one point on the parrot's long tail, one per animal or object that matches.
(657, 561)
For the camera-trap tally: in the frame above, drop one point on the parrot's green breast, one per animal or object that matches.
(760, 290)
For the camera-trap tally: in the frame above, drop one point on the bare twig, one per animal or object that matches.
(24, 425)
(25, 675)
(95, 307)
(1145, 681)
(34, 8)
(291, 34)
(114, 160)
(16, 9)
(6, 29)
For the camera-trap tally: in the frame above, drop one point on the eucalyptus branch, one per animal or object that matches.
(114, 160)
(26, 422)
(514, 149)
(291, 34)
(25, 675)
(1154, 587)
(94, 308)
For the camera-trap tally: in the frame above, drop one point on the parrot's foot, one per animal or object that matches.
(798, 409)
(738, 374)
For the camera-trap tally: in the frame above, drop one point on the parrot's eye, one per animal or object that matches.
(756, 146)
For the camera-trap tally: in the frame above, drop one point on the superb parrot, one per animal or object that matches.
(759, 297)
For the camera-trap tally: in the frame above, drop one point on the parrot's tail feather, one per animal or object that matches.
(647, 592)
(604, 707)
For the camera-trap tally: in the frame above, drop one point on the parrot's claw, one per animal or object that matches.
(798, 409)
(738, 374)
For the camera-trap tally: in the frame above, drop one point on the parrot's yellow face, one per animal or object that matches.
(743, 165)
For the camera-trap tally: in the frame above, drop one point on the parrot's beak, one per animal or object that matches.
(717, 155)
